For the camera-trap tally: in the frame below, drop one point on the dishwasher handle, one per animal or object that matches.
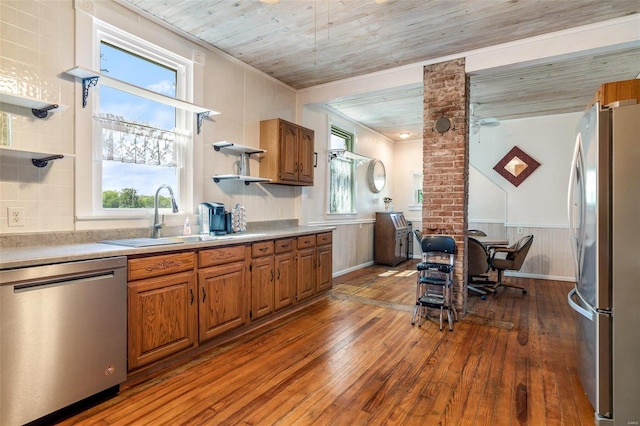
(18, 288)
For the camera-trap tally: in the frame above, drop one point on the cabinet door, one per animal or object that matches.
(399, 249)
(305, 155)
(285, 286)
(162, 317)
(262, 283)
(288, 152)
(306, 275)
(324, 270)
(221, 295)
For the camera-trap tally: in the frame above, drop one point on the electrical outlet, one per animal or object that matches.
(519, 231)
(15, 216)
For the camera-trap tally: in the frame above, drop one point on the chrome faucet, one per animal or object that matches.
(174, 208)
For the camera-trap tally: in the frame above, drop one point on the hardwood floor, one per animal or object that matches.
(353, 358)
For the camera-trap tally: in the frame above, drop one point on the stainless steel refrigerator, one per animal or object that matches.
(604, 218)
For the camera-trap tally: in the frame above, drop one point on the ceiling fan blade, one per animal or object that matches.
(489, 122)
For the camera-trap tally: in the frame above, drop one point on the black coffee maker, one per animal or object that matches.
(213, 219)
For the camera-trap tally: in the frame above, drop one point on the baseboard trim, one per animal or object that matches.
(540, 276)
(353, 268)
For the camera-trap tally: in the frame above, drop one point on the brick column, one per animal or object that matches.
(446, 163)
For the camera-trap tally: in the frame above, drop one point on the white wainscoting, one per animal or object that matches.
(352, 247)
(550, 256)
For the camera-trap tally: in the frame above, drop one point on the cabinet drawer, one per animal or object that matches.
(264, 248)
(306, 241)
(325, 238)
(221, 255)
(147, 267)
(284, 245)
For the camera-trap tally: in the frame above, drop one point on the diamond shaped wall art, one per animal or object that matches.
(516, 166)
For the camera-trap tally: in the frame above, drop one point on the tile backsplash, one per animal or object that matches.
(36, 47)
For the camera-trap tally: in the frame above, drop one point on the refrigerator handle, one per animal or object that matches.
(579, 309)
(571, 208)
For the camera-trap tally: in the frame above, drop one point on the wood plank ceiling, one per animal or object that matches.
(304, 43)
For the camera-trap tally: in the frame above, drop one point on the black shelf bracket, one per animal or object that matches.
(42, 162)
(86, 84)
(43, 112)
(200, 116)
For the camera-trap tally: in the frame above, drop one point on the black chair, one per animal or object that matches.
(510, 259)
(435, 279)
(476, 233)
(478, 267)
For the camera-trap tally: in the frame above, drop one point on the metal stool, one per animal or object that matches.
(435, 278)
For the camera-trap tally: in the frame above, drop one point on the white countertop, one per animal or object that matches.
(43, 255)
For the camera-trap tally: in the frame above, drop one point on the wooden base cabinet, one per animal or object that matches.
(306, 266)
(174, 305)
(262, 279)
(222, 290)
(324, 268)
(285, 273)
(162, 310)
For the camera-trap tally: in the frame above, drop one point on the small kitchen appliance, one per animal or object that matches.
(213, 219)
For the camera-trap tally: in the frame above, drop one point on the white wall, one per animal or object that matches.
(541, 199)
(368, 143)
(36, 47)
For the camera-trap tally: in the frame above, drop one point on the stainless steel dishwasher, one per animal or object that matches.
(63, 335)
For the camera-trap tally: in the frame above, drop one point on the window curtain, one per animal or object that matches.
(341, 181)
(139, 143)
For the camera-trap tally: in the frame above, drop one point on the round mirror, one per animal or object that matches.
(376, 175)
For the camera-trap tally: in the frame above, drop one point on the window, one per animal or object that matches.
(138, 139)
(341, 174)
(416, 203)
(129, 143)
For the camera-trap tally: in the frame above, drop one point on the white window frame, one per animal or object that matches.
(141, 38)
(354, 191)
(416, 197)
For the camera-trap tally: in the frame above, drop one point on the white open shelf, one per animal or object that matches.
(246, 179)
(35, 156)
(91, 78)
(84, 73)
(31, 103)
(234, 148)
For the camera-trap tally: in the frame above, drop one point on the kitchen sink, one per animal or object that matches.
(141, 242)
(198, 238)
(180, 239)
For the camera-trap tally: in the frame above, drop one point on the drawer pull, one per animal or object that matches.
(192, 295)
(204, 294)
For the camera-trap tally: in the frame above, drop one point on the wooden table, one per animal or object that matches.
(492, 241)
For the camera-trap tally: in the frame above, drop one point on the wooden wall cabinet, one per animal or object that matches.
(262, 279)
(162, 310)
(391, 238)
(285, 273)
(617, 91)
(221, 290)
(289, 157)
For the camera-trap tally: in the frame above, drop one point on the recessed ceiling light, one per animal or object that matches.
(405, 135)
(270, 1)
